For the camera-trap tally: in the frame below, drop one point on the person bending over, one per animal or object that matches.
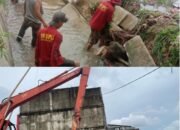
(47, 52)
(100, 20)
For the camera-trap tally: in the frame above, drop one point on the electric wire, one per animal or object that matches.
(19, 83)
(9, 98)
(125, 85)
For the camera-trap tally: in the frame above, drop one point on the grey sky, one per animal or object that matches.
(149, 103)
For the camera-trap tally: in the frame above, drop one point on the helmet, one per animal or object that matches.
(118, 2)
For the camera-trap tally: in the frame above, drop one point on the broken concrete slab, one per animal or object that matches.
(114, 27)
(124, 19)
(73, 1)
(74, 16)
(129, 23)
(51, 3)
(84, 7)
(119, 15)
(138, 53)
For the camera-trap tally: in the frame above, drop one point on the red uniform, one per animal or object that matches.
(102, 16)
(47, 47)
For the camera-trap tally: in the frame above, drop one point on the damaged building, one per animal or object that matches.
(54, 111)
(121, 127)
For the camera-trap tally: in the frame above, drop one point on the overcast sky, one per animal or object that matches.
(151, 103)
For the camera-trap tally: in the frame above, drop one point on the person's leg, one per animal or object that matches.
(35, 29)
(93, 39)
(22, 30)
(69, 63)
(104, 37)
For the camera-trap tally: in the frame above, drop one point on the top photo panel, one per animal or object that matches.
(122, 33)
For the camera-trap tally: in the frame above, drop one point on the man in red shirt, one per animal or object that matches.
(100, 19)
(48, 43)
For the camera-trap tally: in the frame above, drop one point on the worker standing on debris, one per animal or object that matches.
(32, 18)
(48, 44)
(100, 20)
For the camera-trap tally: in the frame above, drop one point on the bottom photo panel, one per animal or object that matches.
(143, 98)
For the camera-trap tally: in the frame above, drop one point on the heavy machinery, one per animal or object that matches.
(8, 106)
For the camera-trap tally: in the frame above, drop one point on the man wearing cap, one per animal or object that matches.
(48, 44)
(32, 18)
(100, 20)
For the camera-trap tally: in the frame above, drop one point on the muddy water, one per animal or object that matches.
(73, 46)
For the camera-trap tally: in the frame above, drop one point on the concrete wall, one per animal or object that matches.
(54, 111)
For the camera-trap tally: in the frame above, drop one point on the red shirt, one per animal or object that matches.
(47, 47)
(102, 16)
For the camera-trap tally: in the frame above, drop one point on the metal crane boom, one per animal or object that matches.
(79, 100)
(7, 107)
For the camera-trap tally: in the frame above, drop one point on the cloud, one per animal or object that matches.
(173, 126)
(136, 120)
(177, 108)
(149, 110)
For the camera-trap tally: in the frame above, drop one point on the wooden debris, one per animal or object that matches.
(114, 54)
(121, 36)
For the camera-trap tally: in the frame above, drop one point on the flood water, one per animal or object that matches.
(74, 41)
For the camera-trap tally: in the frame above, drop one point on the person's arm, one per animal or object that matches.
(37, 50)
(24, 7)
(38, 6)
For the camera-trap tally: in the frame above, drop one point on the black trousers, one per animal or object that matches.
(68, 63)
(35, 28)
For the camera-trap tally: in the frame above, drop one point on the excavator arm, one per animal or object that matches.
(79, 100)
(9, 106)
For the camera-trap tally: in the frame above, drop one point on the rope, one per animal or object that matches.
(9, 98)
(19, 83)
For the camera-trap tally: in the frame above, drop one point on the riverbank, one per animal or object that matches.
(76, 33)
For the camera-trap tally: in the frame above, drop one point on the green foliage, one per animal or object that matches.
(93, 6)
(174, 53)
(126, 2)
(2, 2)
(157, 2)
(165, 48)
(164, 2)
(2, 44)
(160, 2)
(144, 35)
(143, 13)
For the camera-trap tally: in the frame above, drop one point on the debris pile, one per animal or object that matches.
(141, 31)
(160, 33)
(122, 33)
(114, 54)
